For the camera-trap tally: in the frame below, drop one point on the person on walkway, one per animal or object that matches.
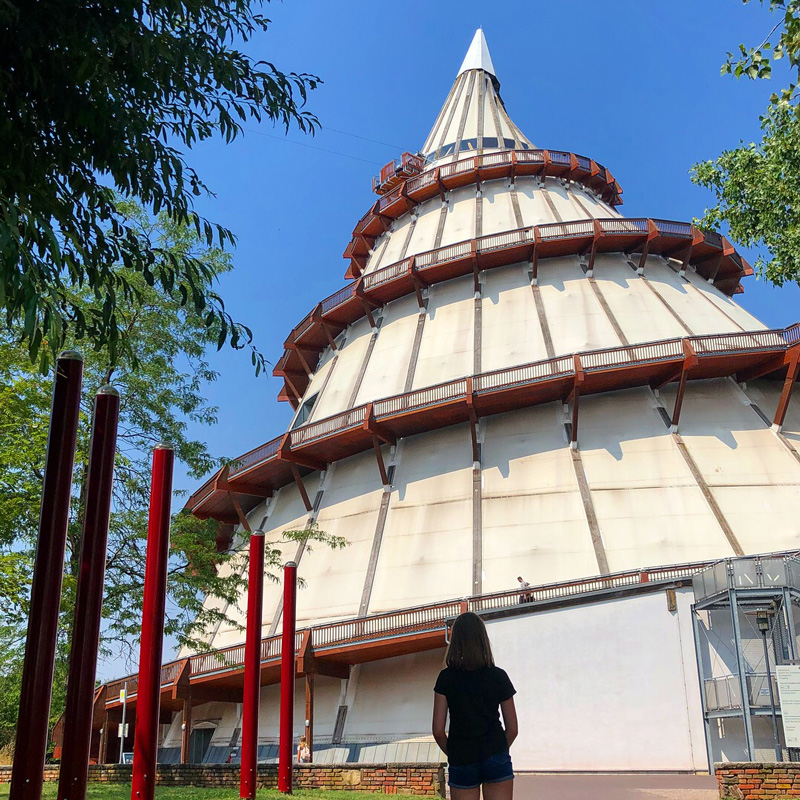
(526, 596)
(303, 751)
(475, 692)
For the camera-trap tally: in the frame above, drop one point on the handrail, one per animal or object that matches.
(627, 362)
(495, 250)
(423, 618)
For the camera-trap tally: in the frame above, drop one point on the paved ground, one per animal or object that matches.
(615, 787)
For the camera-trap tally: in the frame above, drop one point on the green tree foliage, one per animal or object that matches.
(104, 96)
(757, 185)
(161, 374)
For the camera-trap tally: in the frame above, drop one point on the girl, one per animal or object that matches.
(472, 689)
(303, 751)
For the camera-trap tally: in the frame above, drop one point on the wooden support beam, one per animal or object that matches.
(671, 374)
(788, 388)
(239, 513)
(690, 361)
(328, 335)
(186, 730)
(309, 719)
(181, 687)
(376, 445)
(652, 232)
(378, 430)
(301, 487)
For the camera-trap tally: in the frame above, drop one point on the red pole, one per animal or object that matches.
(145, 744)
(30, 748)
(248, 777)
(287, 678)
(89, 601)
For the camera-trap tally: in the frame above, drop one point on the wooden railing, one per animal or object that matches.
(621, 357)
(412, 621)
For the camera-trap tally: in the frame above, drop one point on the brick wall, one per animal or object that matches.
(749, 781)
(417, 779)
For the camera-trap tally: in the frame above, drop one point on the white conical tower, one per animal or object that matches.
(519, 381)
(473, 118)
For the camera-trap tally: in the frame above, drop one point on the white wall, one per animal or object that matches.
(608, 686)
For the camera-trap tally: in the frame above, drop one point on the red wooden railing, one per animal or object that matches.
(410, 621)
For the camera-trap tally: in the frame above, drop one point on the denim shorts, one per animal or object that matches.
(494, 769)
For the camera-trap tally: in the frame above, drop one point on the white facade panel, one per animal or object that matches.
(388, 365)
(424, 236)
(335, 578)
(426, 553)
(533, 520)
(533, 206)
(412, 678)
(575, 317)
(336, 396)
(560, 199)
(447, 346)
(511, 333)
(694, 312)
(596, 679)
(459, 223)
(641, 316)
(498, 213)
(643, 492)
(739, 315)
(396, 241)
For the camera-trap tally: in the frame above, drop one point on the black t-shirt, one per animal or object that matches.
(473, 700)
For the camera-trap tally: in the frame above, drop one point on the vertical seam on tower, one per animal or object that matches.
(363, 369)
(412, 362)
(463, 121)
(667, 305)
(708, 494)
(705, 490)
(440, 227)
(575, 196)
(496, 115)
(377, 541)
(589, 512)
(409, 233)
(608, 312)
(549, 201)
(477, 528)
(478, 211)
(515, 205)
(480, 80)
(542, 315)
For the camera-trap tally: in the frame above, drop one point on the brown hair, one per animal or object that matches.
(469, 647)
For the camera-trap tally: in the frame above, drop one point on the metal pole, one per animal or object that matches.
(248, 775)
(737, 643)
(79, 709)
(145, 743)
(776, 736)
(30, 748)
(287, 678)
(122, 724)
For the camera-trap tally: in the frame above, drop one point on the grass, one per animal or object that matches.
(119, 791)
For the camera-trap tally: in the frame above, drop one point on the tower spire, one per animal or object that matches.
(473, 118)
(478, 56)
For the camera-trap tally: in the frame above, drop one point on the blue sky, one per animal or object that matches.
(634, 84)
